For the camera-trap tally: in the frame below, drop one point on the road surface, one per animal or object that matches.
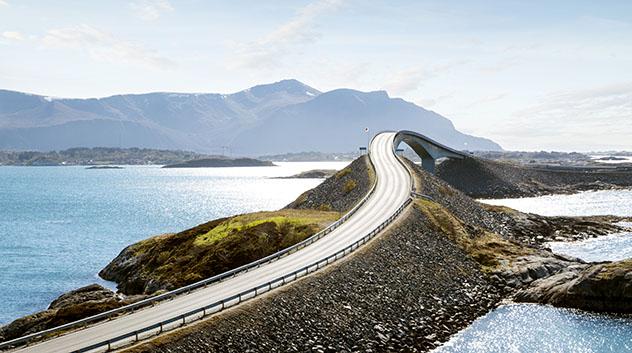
(392, 189)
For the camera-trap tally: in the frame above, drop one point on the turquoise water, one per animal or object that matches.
(60, 225)
(537, 328)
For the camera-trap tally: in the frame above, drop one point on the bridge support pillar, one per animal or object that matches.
(426, 148)
(428, 163)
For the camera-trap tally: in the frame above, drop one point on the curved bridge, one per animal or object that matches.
(389, 196)
(428, 149)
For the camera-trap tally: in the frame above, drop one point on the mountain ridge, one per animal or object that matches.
(247, 122)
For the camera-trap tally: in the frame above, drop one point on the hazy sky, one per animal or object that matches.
(529, 74)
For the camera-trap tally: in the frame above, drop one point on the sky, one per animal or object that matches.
(531, 75)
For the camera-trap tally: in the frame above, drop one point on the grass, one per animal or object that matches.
(350, 185)
(289, 219)
(614, 269)
(175, 260)
(487, 248)
(499, 209)
(343, 172)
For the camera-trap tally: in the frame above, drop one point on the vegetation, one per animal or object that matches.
(174, 260)
(350, 185)
(343, 173)
(98, 156)
(310, 157)
(487, 248)
(615, 269)
(294, 224)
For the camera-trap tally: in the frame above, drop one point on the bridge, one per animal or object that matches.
(389, 196)
(426, 148)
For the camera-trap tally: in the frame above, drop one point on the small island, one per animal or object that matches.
(311, 174)
(104, 167)
(221, 163)
(612, 158)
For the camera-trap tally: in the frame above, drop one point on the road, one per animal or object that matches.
(392, 189)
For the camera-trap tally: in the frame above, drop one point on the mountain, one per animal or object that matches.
(335, 121)
(275, 118)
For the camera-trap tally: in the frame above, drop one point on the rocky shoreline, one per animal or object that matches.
(447, 261)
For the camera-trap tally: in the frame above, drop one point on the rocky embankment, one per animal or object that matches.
(71, 306)
(480, 178)
(340, 192)
(408, 290)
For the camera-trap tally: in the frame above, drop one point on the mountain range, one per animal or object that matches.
(286, 116)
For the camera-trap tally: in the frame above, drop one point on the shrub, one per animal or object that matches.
(350, 185)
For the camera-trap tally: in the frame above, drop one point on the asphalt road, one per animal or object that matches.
(392, 189)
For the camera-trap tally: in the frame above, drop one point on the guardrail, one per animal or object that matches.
(197, 314)
(201, 284)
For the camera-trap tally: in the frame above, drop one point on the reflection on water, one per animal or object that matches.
(539, 328)
(589, 203)
(613, 247)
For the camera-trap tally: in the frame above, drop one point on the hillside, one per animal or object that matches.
(286, 116)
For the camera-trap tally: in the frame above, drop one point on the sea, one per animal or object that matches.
(60, 225)
(542, 328)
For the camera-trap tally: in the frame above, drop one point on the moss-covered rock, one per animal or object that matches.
(173, 260)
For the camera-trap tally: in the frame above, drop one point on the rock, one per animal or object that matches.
(605, 287)
(77, 304)
(482, 178)
(93, 292)
(332, 195)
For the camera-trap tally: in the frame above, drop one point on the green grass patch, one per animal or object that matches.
(350, 185)
(343, 173)
(615, 269)
(289, 220)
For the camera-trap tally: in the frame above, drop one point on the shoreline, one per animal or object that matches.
(499, 218)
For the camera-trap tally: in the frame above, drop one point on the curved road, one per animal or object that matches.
(393, 188)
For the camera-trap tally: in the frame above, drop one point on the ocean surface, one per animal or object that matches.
(60, 225)
(522, 328)
(540, 328)
(589, 203)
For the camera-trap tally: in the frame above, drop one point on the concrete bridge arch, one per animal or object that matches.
(426, 148)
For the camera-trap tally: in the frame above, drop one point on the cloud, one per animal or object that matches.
(300, 30)
(104, 46)
(487, 99)
(4, 3)
(410, 80)
(150, 10)
(600, 117)
(12, 35)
